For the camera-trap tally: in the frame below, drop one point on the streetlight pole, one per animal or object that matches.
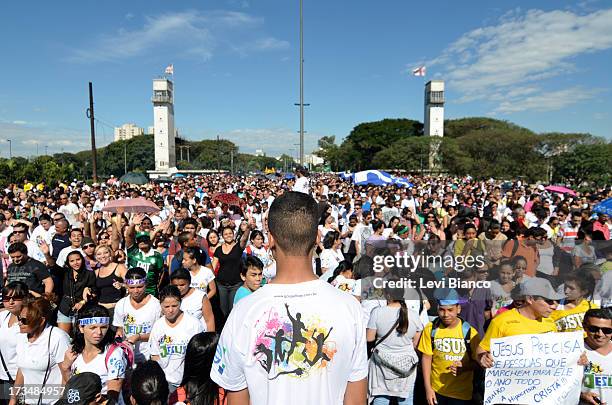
(301, 103)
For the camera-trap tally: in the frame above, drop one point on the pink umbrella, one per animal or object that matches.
(131, 205)
(560, 190)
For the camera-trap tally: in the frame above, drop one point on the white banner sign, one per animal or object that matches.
(535, 369)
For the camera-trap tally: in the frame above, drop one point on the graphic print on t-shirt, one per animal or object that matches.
(594, 377)
(168, 346)
(130, 327)
(292, 344)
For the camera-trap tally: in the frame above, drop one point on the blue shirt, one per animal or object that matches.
(241, 293)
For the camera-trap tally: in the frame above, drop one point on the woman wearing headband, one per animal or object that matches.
(135, 314)
(40, 350)
(193, 300)
(92, 351)
(171, 334)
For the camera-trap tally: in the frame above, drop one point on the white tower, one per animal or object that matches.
(163, 123)
(434, 108)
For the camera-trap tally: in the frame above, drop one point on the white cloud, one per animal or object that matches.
(24, 139)
(199, 35)
(509, 63)
(20, 122)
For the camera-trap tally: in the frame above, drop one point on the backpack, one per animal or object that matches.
(465, 329)
(128, 352)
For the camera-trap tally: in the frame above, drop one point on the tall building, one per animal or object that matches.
(163, 124)
(434, 119)
(127, 131)
(434, 108)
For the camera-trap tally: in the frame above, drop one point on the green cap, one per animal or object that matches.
(143, 234)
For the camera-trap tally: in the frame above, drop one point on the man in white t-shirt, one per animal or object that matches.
(282, 344)
(596, 388)
(302, 184)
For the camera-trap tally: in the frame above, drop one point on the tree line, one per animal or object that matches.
(480, 147)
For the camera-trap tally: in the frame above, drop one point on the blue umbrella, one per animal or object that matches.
(604, 207)
(289, 176)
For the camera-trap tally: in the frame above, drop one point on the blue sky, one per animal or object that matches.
(541, 64)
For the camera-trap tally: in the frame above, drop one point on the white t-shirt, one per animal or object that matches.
(63, 255)
(32, 359)
(597, 374)
(170, 344)
(135, 321)
(201, 280)
(9, 345)
(192, 305)
(330, 259)
(302, 184)
(312, 366)
(117, 364)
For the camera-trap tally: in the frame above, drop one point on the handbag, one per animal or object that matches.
(402, 364)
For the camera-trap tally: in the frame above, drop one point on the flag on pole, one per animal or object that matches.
(420, 71)
(170, 70)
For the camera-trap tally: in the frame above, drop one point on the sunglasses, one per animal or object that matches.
(595, 329)
(89, 245)
(22, 320)
(549, 302)
(12, 298)
(19, 231)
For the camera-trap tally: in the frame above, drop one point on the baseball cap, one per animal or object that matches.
(86, 241)
(539, 287)
(143, 235)
(81, 389)
(447, 296)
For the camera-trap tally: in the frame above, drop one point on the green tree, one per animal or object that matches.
(585, 164)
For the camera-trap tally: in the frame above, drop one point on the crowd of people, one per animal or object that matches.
(262, 289)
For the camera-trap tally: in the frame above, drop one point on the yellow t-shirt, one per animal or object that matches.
(27, 187)
(449, 347)
(511, 323)
(570, 320)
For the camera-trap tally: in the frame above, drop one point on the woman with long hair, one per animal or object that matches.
(257, 248)
(197, 388)
(394, 332)
(171, 334)
(331, 255)
(79, 287)
(40, 351)
(109, 278)
(213, 240)
(193, 300)
(92, 350)
(13, 295)
(501, 289)
(135, 314)
(202, 277)
(578, 288)
(229, 256)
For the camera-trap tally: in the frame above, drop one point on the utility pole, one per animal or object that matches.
(301, 103)
(124, 157)
(218, 154)
(90, 113)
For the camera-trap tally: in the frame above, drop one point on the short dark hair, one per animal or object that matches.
(601, 313)
(149, 384)
(18, 247)
(251, 261)
(293, 221)
(181, 274)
